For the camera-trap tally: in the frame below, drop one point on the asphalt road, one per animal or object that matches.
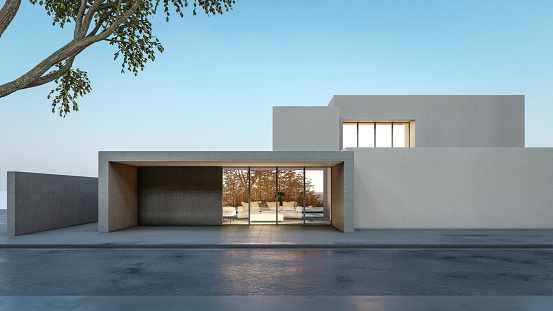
(275, 272)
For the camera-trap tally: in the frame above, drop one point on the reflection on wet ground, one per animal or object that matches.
(276, 272)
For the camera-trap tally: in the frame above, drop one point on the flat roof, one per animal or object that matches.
(227, 158)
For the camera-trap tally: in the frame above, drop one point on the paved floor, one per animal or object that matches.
(274, 303)
(271, 236)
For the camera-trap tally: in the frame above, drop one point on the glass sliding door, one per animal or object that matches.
(290, 195)
(235, 196)
(317, 196)
(276, 195)
(263, 206)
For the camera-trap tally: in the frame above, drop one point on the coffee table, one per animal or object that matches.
(265, 216)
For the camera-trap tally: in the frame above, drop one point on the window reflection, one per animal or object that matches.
(290, 195)
(235, 196)
(259, 195)
(317, 198)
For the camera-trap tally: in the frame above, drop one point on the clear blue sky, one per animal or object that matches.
(215, 84)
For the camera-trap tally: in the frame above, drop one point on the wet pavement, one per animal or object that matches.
(185, 272)
(275, 268)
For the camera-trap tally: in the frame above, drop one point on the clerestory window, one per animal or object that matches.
(365, 134)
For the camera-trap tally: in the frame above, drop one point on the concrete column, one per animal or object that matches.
(349, 195)
(118, 206)
(342, 197)
(327, 195)
(338, 196)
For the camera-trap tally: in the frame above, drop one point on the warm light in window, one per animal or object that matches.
(376, 134)
(366, 134)
(350, 135)
(399, 135)
(383, 135)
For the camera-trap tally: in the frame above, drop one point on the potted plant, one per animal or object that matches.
(281, 197)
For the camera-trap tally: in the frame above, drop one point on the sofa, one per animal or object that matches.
(287, 210)
(229, 212)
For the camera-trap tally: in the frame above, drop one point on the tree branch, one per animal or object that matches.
(79, 18)
(99, 23)
(7, 13)
(107, 5)
(70, 50)
(47, 78)
(118, 8)
(108, 31)
(88, 18)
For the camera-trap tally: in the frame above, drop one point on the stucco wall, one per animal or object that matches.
(436, 188)
(444, 120)
(306, 129)
(39, 202)
(180, 195)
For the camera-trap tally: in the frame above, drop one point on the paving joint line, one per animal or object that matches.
(276, 246)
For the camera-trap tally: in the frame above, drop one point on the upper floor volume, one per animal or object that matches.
(396, 121)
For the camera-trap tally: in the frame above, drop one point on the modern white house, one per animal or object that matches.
(430, 162)
(362, 162)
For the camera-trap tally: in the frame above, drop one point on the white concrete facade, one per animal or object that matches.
(453, 188)
(467, 168)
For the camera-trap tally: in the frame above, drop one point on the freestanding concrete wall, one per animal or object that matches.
(453, 188)
(180, 195)
(39, 202)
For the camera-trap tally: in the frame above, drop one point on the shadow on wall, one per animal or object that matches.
(3, 199)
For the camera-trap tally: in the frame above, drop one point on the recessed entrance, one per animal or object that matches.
(276, 195)
(186, 188)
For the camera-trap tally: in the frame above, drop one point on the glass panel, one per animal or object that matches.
(317, 196)
(349, 135)
(263, 196)
(400, 135)
(290, 195)
(366, 134)
(235, 196)
(384, 134)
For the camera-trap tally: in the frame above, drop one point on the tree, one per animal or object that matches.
(123, 23)
(263, 187)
